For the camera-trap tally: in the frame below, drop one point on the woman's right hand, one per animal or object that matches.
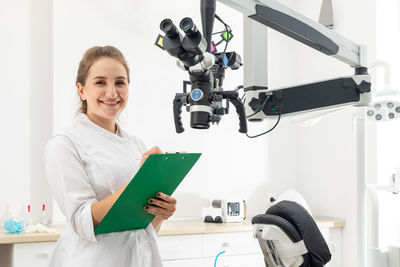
(153, 150)
(100, 208)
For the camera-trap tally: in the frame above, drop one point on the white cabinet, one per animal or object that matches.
(176, 251)
(241, 250)
(225, 261)
(32, 254)
(333, 237)
(233, 243)
(180, 247)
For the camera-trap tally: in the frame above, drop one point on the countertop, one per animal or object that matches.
(168, 228)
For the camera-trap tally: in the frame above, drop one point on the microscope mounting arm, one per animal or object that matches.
(353, 90)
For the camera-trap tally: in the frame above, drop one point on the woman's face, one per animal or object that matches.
(106, 89)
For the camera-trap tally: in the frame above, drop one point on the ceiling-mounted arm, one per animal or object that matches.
(291, 23)
(207, 11)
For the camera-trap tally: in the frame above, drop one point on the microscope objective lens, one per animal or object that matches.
(378, 117)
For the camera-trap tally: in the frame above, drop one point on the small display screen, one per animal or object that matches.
(233, 208)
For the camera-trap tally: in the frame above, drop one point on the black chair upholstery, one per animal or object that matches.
(298, 224)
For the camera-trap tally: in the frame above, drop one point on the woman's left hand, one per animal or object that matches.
(163, 207)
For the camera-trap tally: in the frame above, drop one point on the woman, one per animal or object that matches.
(88, 166)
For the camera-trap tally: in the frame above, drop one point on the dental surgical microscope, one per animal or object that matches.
(282, 230)
(207, 69)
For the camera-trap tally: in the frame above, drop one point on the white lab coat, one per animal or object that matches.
(84, 164)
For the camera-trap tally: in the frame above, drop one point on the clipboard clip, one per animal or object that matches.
(178, 152)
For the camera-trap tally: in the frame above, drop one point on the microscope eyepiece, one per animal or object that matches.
(192, 50)
(188, 26)
(193, 42)
(169, 28)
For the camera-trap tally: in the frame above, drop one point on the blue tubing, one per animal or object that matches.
(215, 263)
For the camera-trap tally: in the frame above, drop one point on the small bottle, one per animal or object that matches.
(394, 184)
(43, 218)
(29, 219)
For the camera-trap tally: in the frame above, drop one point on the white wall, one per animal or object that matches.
(25, 69)
(14, 141)
(41, 96)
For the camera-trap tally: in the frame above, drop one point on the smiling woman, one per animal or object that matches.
(88, 166)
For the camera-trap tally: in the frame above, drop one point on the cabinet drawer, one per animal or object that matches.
(188, 262)
(232, 243)
(180, 247)
(253, 260)
(32, 254)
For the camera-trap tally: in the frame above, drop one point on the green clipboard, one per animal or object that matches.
(159, 173)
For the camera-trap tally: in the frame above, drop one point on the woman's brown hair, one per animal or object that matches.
(89, 58)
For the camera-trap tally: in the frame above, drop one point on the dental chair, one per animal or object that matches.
(289, 237)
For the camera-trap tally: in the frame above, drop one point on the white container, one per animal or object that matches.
(377, 258)
(394, 256)
(397, 179)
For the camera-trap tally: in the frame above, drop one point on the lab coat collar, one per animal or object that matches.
(83, 118)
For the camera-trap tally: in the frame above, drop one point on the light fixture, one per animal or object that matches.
(385, 105)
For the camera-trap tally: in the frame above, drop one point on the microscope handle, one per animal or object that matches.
(242, 115)
(177, 114)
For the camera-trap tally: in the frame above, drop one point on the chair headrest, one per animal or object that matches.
(294, 218)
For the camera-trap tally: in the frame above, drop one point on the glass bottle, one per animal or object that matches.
(43, 218)
(29, 219)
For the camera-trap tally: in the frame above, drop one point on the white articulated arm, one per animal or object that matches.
(291, 23)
